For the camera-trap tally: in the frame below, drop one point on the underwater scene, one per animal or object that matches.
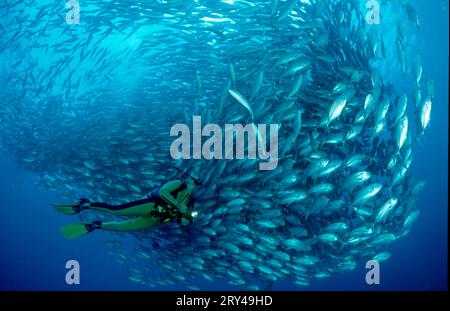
(224, 145)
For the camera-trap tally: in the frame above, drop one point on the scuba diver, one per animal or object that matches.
(171, 200)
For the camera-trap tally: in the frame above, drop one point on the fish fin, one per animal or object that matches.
(419, 137)
(400, 157)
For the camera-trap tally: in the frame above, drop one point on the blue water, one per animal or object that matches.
(34, 254)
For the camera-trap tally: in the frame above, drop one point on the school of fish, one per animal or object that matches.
(88, 107)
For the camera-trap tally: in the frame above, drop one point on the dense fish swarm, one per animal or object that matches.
(89, 107)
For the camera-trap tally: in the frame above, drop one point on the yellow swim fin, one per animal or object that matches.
(75, 230)
(72, 209)
(68, 209)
